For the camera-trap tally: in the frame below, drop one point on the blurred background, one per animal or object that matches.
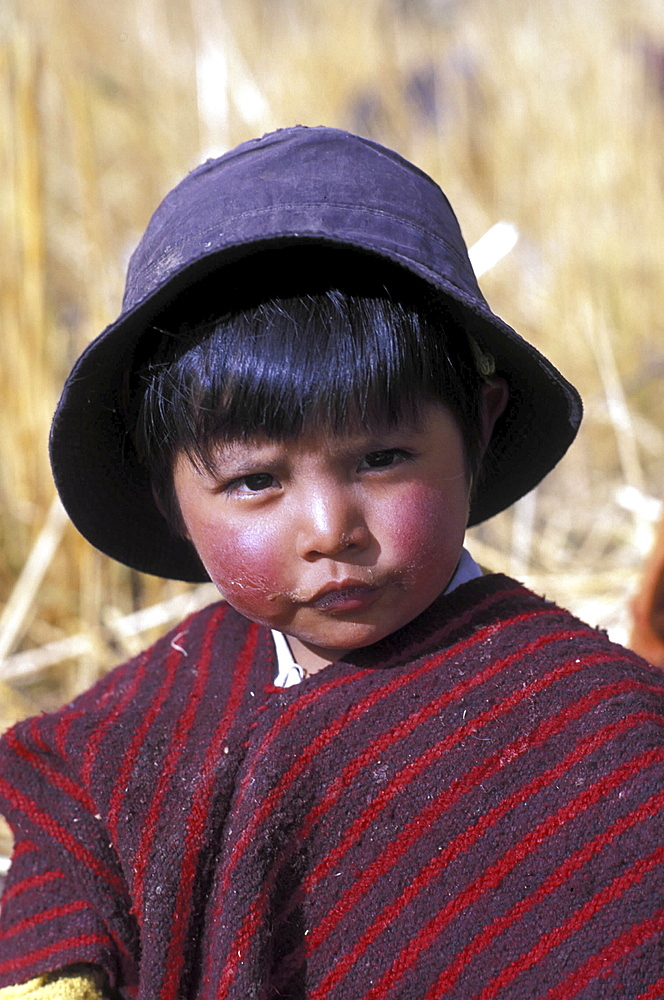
(549, 116)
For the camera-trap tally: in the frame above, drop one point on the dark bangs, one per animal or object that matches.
(335, 350)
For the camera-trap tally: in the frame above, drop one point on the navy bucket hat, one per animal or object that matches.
(299, 185)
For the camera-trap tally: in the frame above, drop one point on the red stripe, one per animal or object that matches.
(55, 913)
(52, 775)
(39, 740)
(65, 945)
(102, 697)
(654, 992)
(62, 731)
(572, 864)
(173, 661)
(619, 948)
(575, 922)
(198, 818)
(175, 751)
(32, 882)
(491, 765)
(329, 734)
(491, 878)
(60, 834)
(23, 847)
(96, 737)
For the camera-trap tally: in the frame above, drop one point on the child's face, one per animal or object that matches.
(336, 541)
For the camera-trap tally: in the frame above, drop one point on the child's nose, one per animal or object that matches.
(331, 525)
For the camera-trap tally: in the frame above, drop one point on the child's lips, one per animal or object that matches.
(344, 596)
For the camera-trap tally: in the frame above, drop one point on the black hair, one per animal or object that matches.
(332, 343)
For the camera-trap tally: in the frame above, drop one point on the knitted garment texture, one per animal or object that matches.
(471, 808)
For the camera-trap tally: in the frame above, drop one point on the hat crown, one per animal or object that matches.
(314, 182)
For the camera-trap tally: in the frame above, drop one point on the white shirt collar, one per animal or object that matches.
(290, 673)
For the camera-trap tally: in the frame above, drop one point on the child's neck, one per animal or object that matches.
(312, 659)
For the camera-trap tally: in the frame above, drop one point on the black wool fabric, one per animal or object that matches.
(471, 808)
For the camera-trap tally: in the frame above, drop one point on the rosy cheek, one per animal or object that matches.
(245, 564)
(429, 527)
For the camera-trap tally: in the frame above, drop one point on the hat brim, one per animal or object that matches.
(107, 491)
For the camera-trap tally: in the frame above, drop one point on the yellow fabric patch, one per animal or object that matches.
(78, 983)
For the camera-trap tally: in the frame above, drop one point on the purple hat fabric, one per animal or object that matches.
(314, 185)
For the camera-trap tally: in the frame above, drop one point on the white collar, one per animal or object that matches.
(290, 673)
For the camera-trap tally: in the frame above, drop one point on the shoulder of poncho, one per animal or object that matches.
(137, 676)
(604, 654)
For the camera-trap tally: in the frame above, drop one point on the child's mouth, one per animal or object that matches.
(339, 599)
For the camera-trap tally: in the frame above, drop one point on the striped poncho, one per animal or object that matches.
(471, 808)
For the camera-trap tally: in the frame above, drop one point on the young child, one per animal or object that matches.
(370, 772)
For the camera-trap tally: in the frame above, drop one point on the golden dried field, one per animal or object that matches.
(547, 115)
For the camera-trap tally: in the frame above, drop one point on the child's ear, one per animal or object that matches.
(495, 394)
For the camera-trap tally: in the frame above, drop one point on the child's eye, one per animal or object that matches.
(384, 459)
(253, 483)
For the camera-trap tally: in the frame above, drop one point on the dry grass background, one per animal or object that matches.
(550, 115)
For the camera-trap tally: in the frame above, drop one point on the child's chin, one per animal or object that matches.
(348, 635)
